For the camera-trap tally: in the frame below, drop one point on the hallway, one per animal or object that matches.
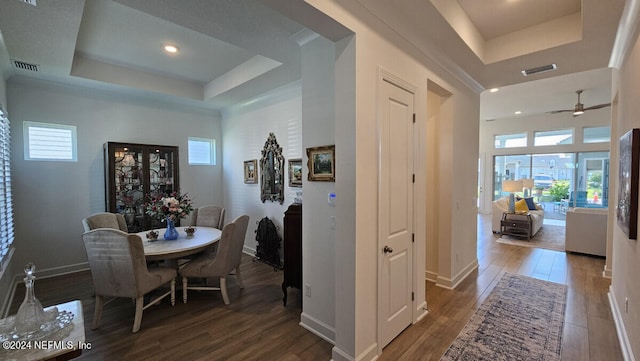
(589, 331)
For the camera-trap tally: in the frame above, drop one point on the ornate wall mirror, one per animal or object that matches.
(272, 171)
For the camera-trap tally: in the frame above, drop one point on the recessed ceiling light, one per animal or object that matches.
(494, 90)
(517, 112)
(169, 48)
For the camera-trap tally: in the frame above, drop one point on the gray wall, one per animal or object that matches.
(51, 198)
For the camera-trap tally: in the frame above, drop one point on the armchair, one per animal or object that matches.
(105, 220)
(209, 216)
(119, 269)
(219, 264)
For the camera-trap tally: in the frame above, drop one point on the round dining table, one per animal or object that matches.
(162, 249)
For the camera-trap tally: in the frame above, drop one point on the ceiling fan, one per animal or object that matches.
(579, 108)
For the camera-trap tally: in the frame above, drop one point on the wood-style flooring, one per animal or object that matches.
(256, 326)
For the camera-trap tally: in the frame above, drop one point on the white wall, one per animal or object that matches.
(318, 120)
(626, 252)
(305, 105)
(245, 129)
(375, 47)
(51, 198)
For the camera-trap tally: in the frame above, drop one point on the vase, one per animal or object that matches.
(129, 216)
(171, 233)
(30, 315)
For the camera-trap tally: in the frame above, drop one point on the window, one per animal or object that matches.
(510, 140)
(596, 134)
(509, 167)
(553, 137)
(6, 203)
(46, 141)
(202, 151)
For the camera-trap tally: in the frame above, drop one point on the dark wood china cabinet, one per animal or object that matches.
(135, 171)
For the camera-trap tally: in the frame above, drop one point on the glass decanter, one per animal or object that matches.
(31, 315)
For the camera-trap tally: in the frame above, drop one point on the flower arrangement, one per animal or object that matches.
(173, 206)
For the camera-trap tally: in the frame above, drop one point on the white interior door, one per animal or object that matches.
(395, 212)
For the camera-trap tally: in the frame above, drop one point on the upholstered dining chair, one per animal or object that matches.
(118, 269)
(209, 216)
(105, 220)
(220, 264)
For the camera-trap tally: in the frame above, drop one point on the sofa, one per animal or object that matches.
(501, 205)
(587, 231)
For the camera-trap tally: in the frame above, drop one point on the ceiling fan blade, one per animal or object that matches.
(598, 106)
(560, 111)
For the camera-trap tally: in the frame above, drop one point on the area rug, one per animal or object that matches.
(548, 237)
(521, 319)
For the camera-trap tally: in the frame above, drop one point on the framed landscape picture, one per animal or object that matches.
(321, 163)
(295, 172)
(627, 206)
(250, 171)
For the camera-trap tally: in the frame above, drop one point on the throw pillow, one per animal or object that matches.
(530, 203)
(521, 206)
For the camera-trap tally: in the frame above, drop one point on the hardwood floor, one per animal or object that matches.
(255, 326)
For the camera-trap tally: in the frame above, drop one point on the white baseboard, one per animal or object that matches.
(370, 354)
(248, 250)
(421, 311)
(607, 272)
(451, 283)
(431, 276)
(61, 271)
(623, 338)
(318, 328)
(252, 252)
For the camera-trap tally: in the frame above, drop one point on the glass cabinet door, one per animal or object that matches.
(135, 172)
(162, 163)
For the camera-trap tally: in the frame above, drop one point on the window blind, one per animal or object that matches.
(6, 202)
(51, 142)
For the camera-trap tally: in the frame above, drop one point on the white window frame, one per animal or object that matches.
(539, 135)
(518, 137)
(212, 151)
(72, 144)
(587, 140)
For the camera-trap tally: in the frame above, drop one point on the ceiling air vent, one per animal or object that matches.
(30, 2)
(540, 69)
(24, 66)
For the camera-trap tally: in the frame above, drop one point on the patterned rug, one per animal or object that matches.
(549, 237)
(522, 319)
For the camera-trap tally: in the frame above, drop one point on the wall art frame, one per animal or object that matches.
(322, 163)
(629, 170)
(251, 171)
(295, 172)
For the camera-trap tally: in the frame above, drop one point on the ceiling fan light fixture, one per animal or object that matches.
(171, 49)
(579, 108)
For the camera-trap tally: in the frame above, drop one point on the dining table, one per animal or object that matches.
(186, 245)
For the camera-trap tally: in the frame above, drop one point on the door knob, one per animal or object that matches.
(387, 249)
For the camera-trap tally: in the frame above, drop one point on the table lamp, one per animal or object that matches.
(512, 186)
(527, 184)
